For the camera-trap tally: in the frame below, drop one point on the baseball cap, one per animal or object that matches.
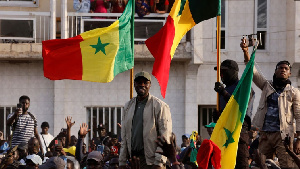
(186, 135)
(228, 64)
(36, 159)
(54, 162)
(95, 155)
(143, 74)
(101, 126)
(210, 125)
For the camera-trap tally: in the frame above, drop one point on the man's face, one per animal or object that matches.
(210, 130)
(33, 146)
(73, 141)
(142, 86)
(252, 134)
(84, 148)
(25, 104)
(102, 132)
(92, 145)
(45, 130)
(283, 71)
(114, 141)
(225, 75)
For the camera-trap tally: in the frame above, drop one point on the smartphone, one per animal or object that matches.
(19, 106)
(100, 148)
(58, 143)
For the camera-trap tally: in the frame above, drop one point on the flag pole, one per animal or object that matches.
(132, 45)
(218, 55)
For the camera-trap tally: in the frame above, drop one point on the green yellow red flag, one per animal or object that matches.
(227, 131)
(97, 55)
(184, 15)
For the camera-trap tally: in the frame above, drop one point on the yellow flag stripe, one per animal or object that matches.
(99, 66)
(182, 23)
(229, 119)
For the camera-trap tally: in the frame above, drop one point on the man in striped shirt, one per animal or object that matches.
(24, 123)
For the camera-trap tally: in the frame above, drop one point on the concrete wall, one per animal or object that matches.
(53, 101)
(19, 78)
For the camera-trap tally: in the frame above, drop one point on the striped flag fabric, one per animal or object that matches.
(227, 131)
(184, 15)
(97, 55)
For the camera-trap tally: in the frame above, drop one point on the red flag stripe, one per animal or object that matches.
(160, 50)
(67, 53)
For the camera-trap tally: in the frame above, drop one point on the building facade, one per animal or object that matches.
(190, 92)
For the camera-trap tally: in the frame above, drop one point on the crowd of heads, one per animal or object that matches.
(143, 7)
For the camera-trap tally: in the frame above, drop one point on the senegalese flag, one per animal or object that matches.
(193, 141)
(184, 15)
(97, 55)
(227, 131)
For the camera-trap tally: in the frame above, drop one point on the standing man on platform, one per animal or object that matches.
(145, 117)
(279, 107)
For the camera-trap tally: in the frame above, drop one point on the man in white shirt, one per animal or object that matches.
(45, 137)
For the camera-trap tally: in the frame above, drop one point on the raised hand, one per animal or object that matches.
(83, 130)
(69, 122)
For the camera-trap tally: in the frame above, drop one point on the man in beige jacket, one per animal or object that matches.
(279, 107)
(145, 117)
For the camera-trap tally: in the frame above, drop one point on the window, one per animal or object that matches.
(4, 112)
(224, 5)
(22, 3)
(205, 116)
(10, 28)
(261, 23)
(109, 116)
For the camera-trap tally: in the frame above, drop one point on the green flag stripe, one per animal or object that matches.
(204, 9)
(242, 91)
(124, 59)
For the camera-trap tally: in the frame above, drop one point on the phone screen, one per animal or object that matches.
(19, 105)
(100, 148)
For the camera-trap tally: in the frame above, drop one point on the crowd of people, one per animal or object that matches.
(143, 7)
(270, 140)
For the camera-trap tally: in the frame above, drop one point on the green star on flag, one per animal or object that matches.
(100, 46)
(229, 137)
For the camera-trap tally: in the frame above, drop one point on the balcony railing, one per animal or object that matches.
(24, 27)
(34, 27)
(143, 27)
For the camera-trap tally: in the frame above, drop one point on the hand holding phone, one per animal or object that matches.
(58, 145)
(19, 108)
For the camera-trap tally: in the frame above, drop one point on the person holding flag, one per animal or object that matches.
(279, 107)
(224, 140)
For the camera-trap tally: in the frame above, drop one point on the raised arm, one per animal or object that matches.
(258, 79)
(69, 126)
(81, 135)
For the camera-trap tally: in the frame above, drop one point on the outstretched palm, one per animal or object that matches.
(83, 130)
(69, 122)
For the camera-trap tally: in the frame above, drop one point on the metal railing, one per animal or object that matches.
(26, 27)
(144, 27)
